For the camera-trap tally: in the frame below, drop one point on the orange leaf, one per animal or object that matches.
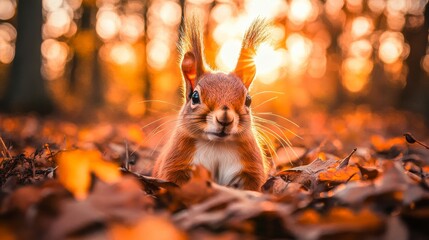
(75, 169)
(73, 172)
(106, 171)
(340, 175)
(150, 227)
(382, 145)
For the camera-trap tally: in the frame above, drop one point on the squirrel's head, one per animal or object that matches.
(217, 104)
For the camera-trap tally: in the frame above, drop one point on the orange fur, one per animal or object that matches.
(220, 116)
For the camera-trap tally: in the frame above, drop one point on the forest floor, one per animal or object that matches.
(352, 175)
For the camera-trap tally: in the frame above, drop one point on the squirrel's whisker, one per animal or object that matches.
(267, 142)
(264, 92)
(266, 101)
(279, 116)
(157, 120)
(279, 138)
(284, 135)
(264, 120)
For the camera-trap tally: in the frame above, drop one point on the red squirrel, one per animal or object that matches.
(214, 127)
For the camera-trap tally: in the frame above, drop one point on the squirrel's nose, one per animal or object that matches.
(224, 122)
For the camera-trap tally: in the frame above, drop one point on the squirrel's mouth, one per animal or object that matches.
(219, 134)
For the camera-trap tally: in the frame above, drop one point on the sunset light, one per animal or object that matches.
(108, 24)
(300, 10)
(7, 9)
(356, 74)
(132, 27)
(214, 119)
(226, 59)
(158, 54)
(122, 53)
(7, 41)
(316, 47)
(361, 26)
(391, 47)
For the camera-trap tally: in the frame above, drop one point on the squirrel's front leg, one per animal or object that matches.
(246, 181)
(174, 165)
(179, 177)
(252, 175)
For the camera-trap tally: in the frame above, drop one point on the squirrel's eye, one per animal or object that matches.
(248, 101)
(195, 98)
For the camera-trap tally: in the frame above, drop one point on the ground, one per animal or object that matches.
(352, 174)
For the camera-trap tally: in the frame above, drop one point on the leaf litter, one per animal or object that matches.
(93, 182)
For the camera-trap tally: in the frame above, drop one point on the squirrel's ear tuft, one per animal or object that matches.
(192, 63)
(254, 36)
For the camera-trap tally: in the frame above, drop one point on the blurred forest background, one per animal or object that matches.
(101, 58)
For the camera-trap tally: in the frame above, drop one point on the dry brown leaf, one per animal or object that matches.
(6, 233)
(23, 198)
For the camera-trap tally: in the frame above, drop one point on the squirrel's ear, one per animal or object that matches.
(254, 36)
(246, 68)
(189, 71)
(191, 46)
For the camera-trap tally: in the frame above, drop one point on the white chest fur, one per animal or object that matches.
(220, 158)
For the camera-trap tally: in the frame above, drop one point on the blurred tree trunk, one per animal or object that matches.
(414, 96)
(26, 88)
(88, 58)
(147, 90)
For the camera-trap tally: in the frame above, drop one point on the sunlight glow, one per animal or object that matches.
(266, 9)
(397, 5)
(376, 6)
(300, 11)
(170, 13)
(356, 73)
(108, 24)
(132, 27)
(226, 59)
(7, 43)
(7, 53)
(55, 52)
(7, 9)
(52, 5)
(361, 48)
(55, 55)
(391, 47)
(361, 26)
(269, 62)
(222, 12)
(267, 59)
(58, 22)
(299, 48)
(333, 7)
(122, 53)
(158, 54)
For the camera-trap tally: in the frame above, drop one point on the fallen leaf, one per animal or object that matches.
(149, 227)
(6, 232)
(337, 221)
(75, 167)
(367, 173)
(385, 146)
(197, 189)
